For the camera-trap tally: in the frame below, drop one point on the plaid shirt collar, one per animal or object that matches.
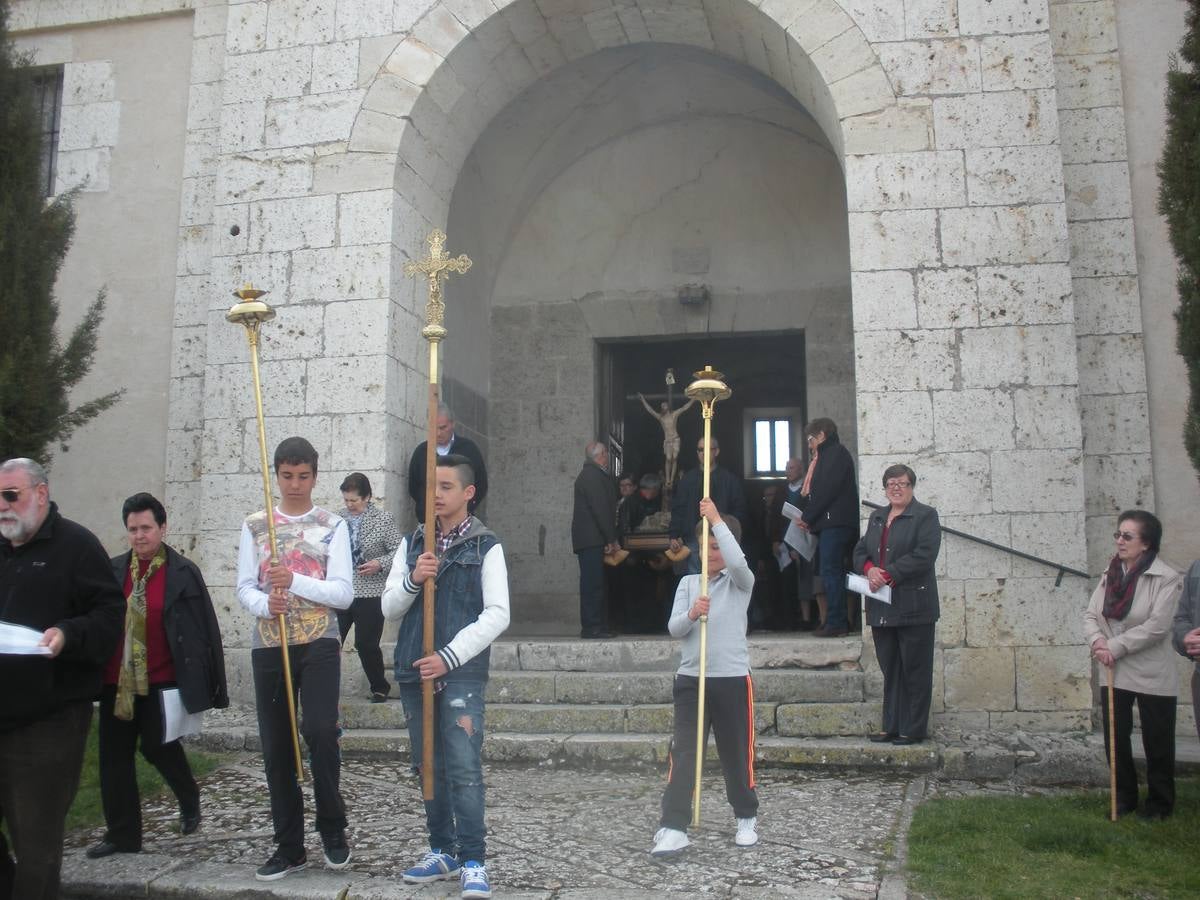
(445, 540)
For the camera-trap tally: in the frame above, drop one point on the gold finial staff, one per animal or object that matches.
(251, 313)
(436, 268)
(708, 388)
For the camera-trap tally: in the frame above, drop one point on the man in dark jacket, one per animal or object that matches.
(55, 579)
(172, 640)
(727, 495)
(447, 443)
(830, 494)
(593, 533)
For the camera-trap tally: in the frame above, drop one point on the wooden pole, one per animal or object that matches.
(1112, 750)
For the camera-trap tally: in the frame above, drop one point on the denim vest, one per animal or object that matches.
(458, 601)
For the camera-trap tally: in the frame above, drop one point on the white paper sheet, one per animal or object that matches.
(859, 585)
(783, 557)
(790, 512)
(17, 640)
(803, 542)
(177, 721)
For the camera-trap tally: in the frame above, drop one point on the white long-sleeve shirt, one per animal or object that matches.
(471, 639)
(729, 598)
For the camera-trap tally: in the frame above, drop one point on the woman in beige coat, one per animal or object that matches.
(1128, 627)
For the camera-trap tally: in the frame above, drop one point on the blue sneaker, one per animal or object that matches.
(474, 880)
(434, 866)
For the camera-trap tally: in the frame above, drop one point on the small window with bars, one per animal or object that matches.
(47, 93)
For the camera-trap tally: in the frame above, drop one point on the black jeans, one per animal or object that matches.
(1157, 714)
(118, 774)
(592, 617)
(730, 716)
(316, 676)
(366, 615)
(905, 655)
(39, 774)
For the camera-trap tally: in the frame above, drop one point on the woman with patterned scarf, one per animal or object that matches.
(1128, 627)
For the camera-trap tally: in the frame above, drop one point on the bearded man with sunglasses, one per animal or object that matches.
(55, 579)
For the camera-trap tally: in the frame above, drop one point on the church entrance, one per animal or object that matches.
(756, 429)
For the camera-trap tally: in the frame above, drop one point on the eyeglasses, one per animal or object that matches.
(1126, 536)
(897, 485)
(11, 495)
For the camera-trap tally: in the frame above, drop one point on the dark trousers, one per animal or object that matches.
(455, 814)
(366, 615)
(118, 774)
(832, 543)
(39, 774)
(316, 674)
(905, 656)
(729, 714)
(1196, 699)
(1157, 715)
(592, 617)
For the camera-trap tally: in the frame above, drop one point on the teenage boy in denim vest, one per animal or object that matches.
(310, 581)
(471, 611)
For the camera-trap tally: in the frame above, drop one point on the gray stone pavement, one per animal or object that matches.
(553, 833)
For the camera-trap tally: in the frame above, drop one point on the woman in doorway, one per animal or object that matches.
(1128, 626)
(899, 549)
(374, 539)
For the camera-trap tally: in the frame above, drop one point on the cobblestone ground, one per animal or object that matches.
(555, 833)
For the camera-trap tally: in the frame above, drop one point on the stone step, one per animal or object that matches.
(620, 749)
(786, 719)
(619, 656)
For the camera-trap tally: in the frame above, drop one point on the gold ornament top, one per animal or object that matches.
(436, 267)
(252, 311)
(708, 388)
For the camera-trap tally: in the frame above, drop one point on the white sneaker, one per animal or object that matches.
(747, 832)
(669, 841)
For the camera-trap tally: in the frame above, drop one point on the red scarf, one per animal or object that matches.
(1119, 586)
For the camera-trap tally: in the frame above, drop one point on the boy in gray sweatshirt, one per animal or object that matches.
(729, 692)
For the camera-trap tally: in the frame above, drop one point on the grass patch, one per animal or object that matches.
(87, 810)
(1053, 847)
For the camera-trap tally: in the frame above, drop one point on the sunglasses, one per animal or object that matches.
(1125, 536)
(11, 495)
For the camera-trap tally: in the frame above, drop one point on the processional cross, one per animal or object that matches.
(436, 268)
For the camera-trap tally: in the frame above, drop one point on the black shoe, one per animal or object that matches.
(596, 635)
(1151, 815)
(278, 867)
(827, 632)
(337, 851)
(379, 696)
(906, 741)
(883, 737)
(108, 848)
(189, 822)
(1125, 810)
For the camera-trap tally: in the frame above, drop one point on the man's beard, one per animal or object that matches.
(18, 528)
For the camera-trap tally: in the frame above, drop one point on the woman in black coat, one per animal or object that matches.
(899, 549)
(171, 640)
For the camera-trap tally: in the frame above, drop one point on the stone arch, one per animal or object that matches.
(440, 86)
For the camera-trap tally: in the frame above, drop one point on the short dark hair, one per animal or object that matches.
(896, 471)
(143, 502)
(651, 480)
(735, 528)
(357, 482)
(816, 426)
(461, 465)
(1148, 524)
(627, 477)
(295, 451)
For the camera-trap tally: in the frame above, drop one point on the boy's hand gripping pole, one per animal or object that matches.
(708, 388)
(436, 267)
(251, 313)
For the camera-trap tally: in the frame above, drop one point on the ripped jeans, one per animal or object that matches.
(455, 815)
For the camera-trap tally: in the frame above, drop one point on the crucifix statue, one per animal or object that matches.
(667, 418)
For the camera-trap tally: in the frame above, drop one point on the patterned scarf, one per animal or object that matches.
(1119, 586)
(134, 677)
(806, 488)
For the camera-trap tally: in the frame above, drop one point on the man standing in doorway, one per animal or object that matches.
(55, 578)
(447, 442)
(594, 533)
(726, 491)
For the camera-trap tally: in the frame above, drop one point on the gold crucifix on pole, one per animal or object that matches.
(436, 268)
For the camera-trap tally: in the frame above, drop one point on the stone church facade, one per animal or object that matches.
(951, 200)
